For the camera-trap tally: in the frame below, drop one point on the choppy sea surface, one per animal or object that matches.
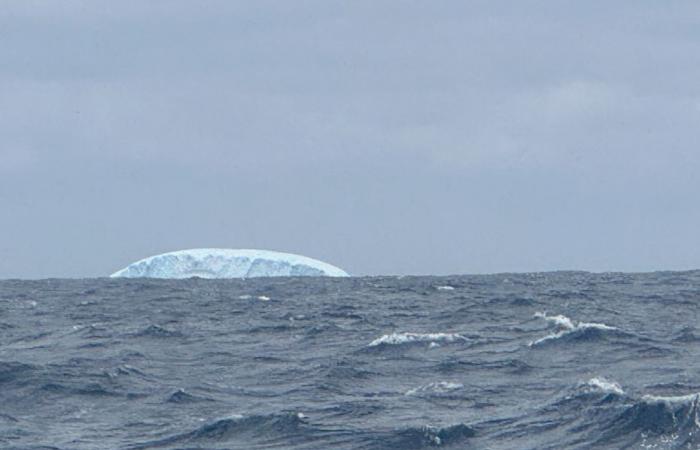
(565, 360)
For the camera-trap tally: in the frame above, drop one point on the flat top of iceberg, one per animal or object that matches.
(227, 263)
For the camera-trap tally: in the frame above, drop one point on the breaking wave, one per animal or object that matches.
(409, 338)
(603, 385)
(601, 413)
(567, 329)
(435, 388)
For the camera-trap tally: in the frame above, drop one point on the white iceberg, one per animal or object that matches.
(227, 263)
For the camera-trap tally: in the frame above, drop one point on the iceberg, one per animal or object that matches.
(227, 263)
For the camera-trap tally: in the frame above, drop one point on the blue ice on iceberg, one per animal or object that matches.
(227, 263)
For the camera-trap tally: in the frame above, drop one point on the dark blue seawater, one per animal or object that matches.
(530, 361)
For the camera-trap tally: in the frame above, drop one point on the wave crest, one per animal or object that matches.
(602, 414)
(428, 436)
(237, 427)
(604, 385)
(435, 388)
(567, 328)
(670, 422)
(408, 338)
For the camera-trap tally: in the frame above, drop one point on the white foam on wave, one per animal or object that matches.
(612, 387)
(684, 399)
(604, 385)
(404, 338)
(566, 326)
(445, 288)
(439, 387)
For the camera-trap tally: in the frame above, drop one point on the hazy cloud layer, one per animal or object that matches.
(381, 136)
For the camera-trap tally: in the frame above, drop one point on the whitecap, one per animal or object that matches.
(439, 387)
(604, 385)
(684, 399)
(264, 298)
(404, 338)
(566, 326)
(445, 288)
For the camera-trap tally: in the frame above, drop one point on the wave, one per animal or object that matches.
(603, 385)
(156, 331)
(688, 335)
(181, 396)
(506, 366)
(11, 371)
(567, 328)
(658, 422)
(58, 382)
(68, 390)
(353, 409)
(292, 429)
(34, 447)
(343, 371)
(342, 377)
(8, 418)
(409, 338)
(435, 388)
(445, 288)
(663, 415)
(414, 438)
(237, 427)
(602, 414)
(91, 331)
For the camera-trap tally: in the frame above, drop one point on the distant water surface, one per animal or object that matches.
(531, 361)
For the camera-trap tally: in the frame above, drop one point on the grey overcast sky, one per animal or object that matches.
(385, 137)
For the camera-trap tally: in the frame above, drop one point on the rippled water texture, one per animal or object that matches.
(531, 361)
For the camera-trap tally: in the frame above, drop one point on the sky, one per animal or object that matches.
(384, 137)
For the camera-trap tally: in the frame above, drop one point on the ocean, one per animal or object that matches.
(563, 360)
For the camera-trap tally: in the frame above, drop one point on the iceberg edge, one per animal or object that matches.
(227, 263)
